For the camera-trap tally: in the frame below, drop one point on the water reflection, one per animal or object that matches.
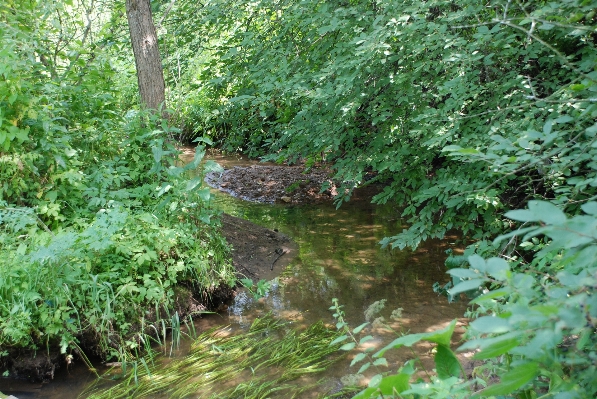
(339, 257)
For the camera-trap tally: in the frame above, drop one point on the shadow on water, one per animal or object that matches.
(339, 257)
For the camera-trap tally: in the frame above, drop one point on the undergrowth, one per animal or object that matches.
(100, 228)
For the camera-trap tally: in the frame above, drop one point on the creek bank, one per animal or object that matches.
(254, 250)
(271, 184)
(284, 184)
(257, 252)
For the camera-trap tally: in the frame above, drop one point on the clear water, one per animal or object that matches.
(339, 257)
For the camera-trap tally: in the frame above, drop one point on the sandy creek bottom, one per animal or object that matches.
(339, 257)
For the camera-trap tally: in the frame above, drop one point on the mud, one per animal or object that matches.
(271, 184)
(257, 253)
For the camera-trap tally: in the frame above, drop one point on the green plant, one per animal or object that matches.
(258, 290)
(462, 111)
(533, 324)
(214, 358)
(99, 223)
(540, 317)
(386, 384)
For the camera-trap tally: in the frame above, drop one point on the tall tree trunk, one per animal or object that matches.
(150, 74)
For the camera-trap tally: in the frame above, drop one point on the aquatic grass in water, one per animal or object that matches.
(269, 357)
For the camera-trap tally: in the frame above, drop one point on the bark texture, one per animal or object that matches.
(150, 74)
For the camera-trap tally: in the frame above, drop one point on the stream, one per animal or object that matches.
(339, 257)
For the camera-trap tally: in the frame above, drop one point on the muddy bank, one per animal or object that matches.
(257, 253)
(270, 184)
(286, 184)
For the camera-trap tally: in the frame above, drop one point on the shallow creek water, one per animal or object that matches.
(339, 257)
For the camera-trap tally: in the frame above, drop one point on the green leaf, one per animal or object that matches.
(407, 340)
(511, 381)
(204, 194)
(490, 295)
(359, 328)
(477, 262)
(364, 368)
(590, 208)
(192, 184)
(443, 336)
(394, 383)
(164, 189)
(465, 286)
(358, 358)
(452, 148)
(366, 393)
(381, 362)
(491, 324)
(539, 211)
(547, 212)
(212, 166)
(468, 151)
(522, 215)
(338, 340)
(463, 273)
(375, 380)
(347, 347)
(497, 348)
(498, 268)
(446, 363)
(203, 139)
(365, 339)
(157, 153)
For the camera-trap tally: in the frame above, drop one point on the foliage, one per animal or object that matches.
(258, 290)
(389, 385)
(534, 323)
(463, 111)
(101, 230)
(215, 359)
(541, 315)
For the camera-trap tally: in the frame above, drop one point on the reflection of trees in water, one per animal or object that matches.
(340, 256)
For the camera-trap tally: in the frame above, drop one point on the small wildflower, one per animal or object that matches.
(379, 322)
(396, 314)
(374, 309)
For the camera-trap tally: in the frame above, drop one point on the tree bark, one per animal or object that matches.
(144, 39)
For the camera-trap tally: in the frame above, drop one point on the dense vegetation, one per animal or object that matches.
(101, 231)
(465, 112)
(477, 117)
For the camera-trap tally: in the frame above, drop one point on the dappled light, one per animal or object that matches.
(222, 198)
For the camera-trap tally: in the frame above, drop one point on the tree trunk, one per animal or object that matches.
(150, 74)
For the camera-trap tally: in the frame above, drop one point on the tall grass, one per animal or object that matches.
(266, 361)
